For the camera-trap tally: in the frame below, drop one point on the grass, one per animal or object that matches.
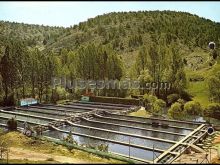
(25, 161)
(200, 92)
(18, 140)
(140, 113)
(200, 89)
(62, 101)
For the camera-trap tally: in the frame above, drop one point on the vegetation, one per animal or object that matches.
(16, 140)
(182, 109)
(12, 124)
(172, 98)
(212, 109)
(153, 104)
(141, 113)
(151, 46)
(214, 86)
(193, 108)
(176, 111)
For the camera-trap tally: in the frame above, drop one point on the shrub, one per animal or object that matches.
(192, 108)
(161, 103)
(185, 96)
(181, 101)
(54, 96)
(172, 98)
(50, 159)
(149, 99)
(12, 124)
(196, 77)
(155, 105)
(59, 94)
(176, 111)
(212, 109)
(10, 101)
(158, 106)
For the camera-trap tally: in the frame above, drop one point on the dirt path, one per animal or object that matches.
(19, 153)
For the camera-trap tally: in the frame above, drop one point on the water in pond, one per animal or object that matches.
(48, 111)
(25, 118)
(63, 108)
(175, 130)
(132, 130)
(100, 103)
(117, 148)
(29, 112)
(19, 123)
(118, 137)
(206, 119)
(55, 111)
(96, 106)
(152, 120)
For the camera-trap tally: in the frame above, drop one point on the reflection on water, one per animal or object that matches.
(132, 130)
(96, 106)
(60, 109)
(121, 149)
(206, 119)
(49, 111)
(25, 118)
(117, 137)
(152, 120)
(175, 130)
(57, 116)
(19, 123)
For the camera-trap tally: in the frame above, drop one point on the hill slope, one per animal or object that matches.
(128, 31)
(32, 35)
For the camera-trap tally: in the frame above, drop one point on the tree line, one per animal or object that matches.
(28, 72)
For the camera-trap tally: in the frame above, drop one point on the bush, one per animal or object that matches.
(212, 109)
(10, 101)
(149, 99)
(155, 105)
(161, 103)
(12, 124)
(59, 94)
(50, 159)
(172, 98)
(196, 77)
(176, 111)
(193, 108)
(54, 96)
(186, 96)
(158, 106)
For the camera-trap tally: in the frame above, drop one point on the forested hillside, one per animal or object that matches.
(31, 35)
(127, 31)
(146, 45)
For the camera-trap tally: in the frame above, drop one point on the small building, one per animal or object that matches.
(28, 101)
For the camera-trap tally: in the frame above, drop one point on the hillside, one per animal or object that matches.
(32, 35)
(128, 31)
(132, 41)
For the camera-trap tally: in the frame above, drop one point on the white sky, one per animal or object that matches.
(64, 13)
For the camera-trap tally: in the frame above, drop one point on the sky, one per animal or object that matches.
(61, 13)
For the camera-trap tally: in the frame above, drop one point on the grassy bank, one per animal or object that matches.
(46, 152)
